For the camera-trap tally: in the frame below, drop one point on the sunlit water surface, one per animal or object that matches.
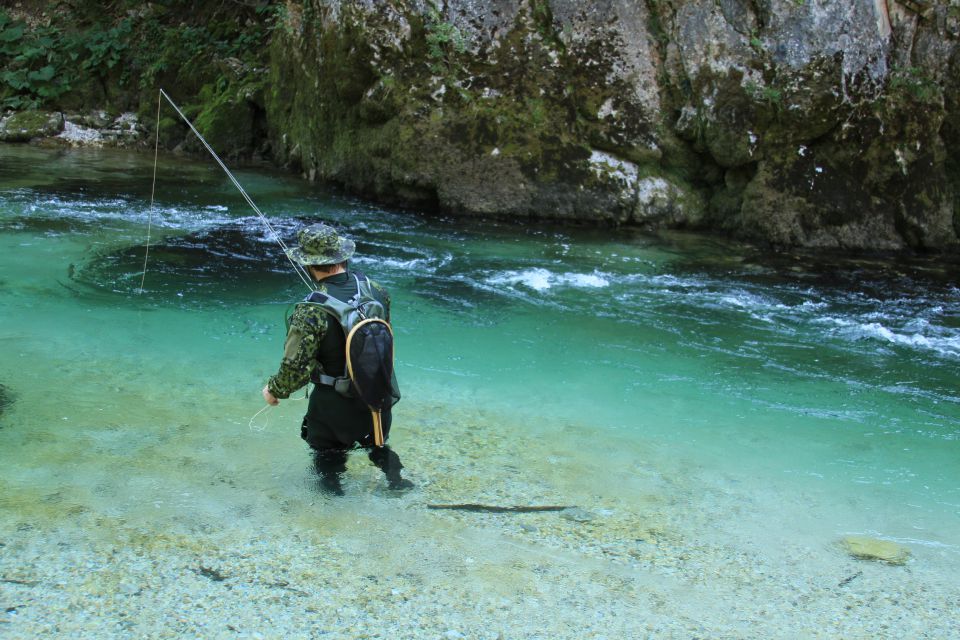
(710, 392)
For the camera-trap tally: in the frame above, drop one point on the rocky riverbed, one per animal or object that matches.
(292, 562)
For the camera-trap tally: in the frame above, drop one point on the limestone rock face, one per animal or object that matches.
(815, 123)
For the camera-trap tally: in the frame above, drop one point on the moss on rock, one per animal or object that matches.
(815, 130)
(381, 103)
(226, 122)
(28, 125)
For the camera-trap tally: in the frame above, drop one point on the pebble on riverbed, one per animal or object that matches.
(576, 514)
(866, 548)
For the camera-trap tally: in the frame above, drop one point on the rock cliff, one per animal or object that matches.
(795, 122)
(811, 123)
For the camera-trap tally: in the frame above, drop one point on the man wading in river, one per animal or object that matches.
(336, 420)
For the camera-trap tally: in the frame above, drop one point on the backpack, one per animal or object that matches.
(369, 351)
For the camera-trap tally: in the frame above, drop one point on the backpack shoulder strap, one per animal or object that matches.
(367, 304)
(340, 310)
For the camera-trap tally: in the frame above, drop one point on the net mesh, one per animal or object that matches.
(371, 363)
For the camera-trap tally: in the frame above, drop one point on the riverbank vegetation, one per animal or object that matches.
(80, 55)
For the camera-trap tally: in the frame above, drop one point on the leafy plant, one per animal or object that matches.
(32, 62)
(765, 93)
(918, 84)
(105, 48)
(537, 110)
(96, 46)
(444, 41)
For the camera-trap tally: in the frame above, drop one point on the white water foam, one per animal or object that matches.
(897, 322)
(418, 265)
(540, 279)
(945, 344)
(123, 210)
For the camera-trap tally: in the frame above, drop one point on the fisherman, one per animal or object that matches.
(315, 351)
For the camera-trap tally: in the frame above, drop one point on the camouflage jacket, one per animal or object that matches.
(307, 326)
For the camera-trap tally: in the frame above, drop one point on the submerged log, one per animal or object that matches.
(489, 508)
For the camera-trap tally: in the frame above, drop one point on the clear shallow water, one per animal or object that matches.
(690, 390)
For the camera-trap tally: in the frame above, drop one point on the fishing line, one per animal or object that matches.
(266, 420)
(300, 270)
(153, 189)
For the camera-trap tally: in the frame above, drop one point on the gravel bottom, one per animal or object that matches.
(234, 541)
(464, 581)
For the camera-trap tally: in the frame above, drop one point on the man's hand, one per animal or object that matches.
(269, 397)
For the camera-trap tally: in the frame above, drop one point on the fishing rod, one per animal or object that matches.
(298, 268)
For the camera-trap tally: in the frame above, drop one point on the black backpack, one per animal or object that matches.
(369, 372)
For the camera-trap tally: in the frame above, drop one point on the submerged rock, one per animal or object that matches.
(867, 548)
(577, 514)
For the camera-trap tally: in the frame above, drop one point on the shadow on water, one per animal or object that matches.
(212, 266)
(73, 174)
(241, 261)
(875, 274)
(50, 226)
(6, 399)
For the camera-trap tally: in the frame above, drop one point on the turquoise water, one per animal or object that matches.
(711, 392)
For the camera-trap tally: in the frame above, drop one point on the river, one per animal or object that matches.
(719, 416)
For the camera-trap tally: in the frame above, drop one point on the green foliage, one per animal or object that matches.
(164, 50)
(224, 119)
(105, 48)
(917, 84)
(444, 42)
(772, 96)
(542, 16)
(765, 93)
(126, 46)
(33, 62)
(537, 110)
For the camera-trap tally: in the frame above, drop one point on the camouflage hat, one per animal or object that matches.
(320, 244)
